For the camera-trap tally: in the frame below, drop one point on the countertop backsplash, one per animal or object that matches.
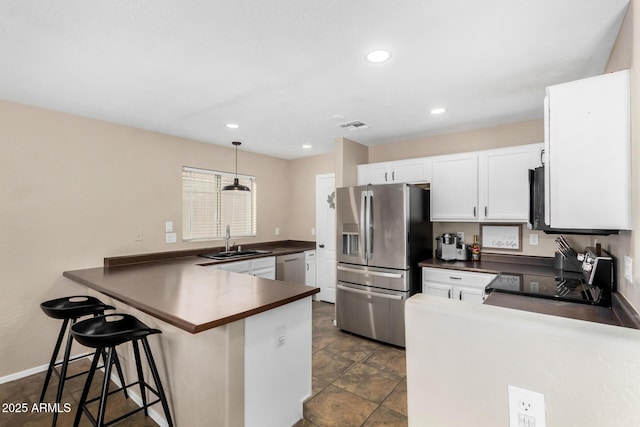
(546, 242)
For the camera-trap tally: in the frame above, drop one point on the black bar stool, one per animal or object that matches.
(107, 332)
(70, 309)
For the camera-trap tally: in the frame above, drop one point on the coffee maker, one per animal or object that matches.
(450, 247)
(446, 246)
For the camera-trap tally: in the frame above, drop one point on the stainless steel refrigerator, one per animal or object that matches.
(383, 231)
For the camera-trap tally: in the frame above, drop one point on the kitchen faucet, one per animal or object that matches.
(227, 236)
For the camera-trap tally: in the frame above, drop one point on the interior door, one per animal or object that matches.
(326, 236)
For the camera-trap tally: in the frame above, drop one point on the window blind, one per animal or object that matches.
(207, 210)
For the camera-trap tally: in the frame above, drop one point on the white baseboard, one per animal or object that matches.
(31, 371)
(155, 415)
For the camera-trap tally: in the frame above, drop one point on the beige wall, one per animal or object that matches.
(349, 154)
(75, 190)
(628, 242)
(302, 172)
(529, 132)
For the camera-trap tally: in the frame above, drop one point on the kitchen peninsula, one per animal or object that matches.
(235, 348)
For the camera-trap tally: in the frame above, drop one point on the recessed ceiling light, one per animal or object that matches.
(378, 56)
(338, 116)
(232, 126)
(437, 111)
(306, 146)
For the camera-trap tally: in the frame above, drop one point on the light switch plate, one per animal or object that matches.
(168, 226)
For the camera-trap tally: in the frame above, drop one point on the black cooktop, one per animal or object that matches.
(570, 288)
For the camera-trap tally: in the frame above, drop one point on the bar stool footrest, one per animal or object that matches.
(120, 418)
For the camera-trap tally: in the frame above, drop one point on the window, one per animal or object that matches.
(207, 210)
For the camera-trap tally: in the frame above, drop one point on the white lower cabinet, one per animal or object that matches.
(261, 267)
(310, 268)
(264, 267)
(455, 284)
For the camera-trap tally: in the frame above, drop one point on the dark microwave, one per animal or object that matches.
(536, 208)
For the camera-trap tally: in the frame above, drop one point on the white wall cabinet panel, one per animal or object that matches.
(374, 173)
(587, 131)
(454, 188)
(504, 182)
(411, 171)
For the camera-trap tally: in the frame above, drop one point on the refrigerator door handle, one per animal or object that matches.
(369, 224)
(371, 273)
(363, 223)
(369, 293)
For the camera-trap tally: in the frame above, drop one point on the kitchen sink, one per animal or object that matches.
(234, 254)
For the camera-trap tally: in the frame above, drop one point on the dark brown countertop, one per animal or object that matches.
(622, 314)
(496, 264)
(182, 291)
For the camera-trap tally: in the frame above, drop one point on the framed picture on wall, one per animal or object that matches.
(507, 237)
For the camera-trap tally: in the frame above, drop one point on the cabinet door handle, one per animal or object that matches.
(542, 157)
(307, 266)
(485, 211)
(393, 176)
(449, 294)
(455, 278)
(321, 246)
(385, 176)
(460, 295)
(474, 211)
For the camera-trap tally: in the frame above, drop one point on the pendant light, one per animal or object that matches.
(236, 184)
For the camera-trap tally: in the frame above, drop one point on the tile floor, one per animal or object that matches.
(28, 390)
(356, 382)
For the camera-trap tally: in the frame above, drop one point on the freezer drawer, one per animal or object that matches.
(371, 312)
(397, 280)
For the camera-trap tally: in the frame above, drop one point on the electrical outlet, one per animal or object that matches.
(526, 408)
(533, 239)
(460, 235)
(277, 231)
(170, 238)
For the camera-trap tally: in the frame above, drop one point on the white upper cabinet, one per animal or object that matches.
(504, 182)
(454, 188)
(410, 170)
(490, 185)
(587, 137)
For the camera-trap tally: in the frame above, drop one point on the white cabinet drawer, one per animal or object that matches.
(236, 267)
(260, 263)
(456, 277)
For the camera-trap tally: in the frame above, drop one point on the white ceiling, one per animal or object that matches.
(282, 69)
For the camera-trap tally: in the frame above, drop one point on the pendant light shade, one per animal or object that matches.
(236, 183)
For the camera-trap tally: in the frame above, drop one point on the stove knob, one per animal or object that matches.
(580, 257)
(587, 267)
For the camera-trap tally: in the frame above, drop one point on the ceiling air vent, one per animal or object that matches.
(353, 125)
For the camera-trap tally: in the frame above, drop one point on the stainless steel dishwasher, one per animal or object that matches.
(291, 268)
